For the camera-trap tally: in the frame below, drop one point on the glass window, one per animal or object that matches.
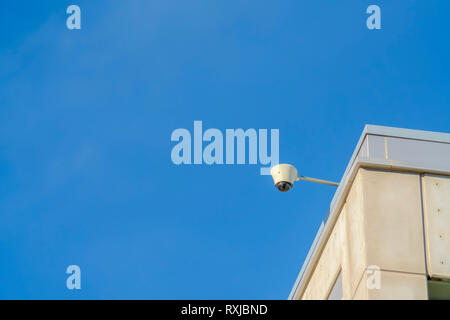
(438, 290)
(336, 291)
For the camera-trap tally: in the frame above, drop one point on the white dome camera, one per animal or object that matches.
(284, 176)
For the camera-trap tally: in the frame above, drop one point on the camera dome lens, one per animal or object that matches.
(283, 186)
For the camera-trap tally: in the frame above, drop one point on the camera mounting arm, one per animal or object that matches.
(331, 183)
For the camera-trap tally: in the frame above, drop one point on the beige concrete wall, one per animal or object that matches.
(354, 246)
(381, 224)
(328, 267)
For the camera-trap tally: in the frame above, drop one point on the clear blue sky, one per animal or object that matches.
(86, 116)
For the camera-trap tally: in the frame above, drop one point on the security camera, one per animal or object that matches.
(284, 176)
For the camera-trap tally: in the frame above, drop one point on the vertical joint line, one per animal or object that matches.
(423, 225)
(386, 154)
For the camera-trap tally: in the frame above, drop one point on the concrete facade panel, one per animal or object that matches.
(393, 286)
(327, 268)
(399, 286)
(393, 223)
(436, 202)
(355, 262)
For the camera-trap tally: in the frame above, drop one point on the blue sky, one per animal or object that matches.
(86, 116)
